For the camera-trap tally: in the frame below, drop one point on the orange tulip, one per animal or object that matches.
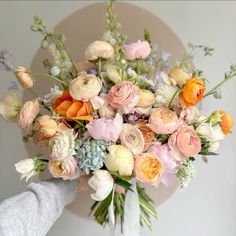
(73, 109)
(193, 92)
(226, 122)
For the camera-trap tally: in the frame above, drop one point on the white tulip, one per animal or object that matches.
(214, 147)
(98, 49)
(26, 168)
(9, 107)
(102, 182)
(204, 129)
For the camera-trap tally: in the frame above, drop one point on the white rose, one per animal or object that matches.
(62, 145)
(214, 147)
(26, 168)
(102, 182)
(112, 73)
(217, 134)
(204, 130)
(98, 49)
(9, 107)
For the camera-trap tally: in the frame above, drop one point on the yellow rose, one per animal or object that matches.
(179, 75)
(146, 98)
(120, 159)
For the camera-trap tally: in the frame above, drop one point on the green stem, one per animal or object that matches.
(99, 67)
(172, 99)
(50, 76)
(138, 67)
(145, 219)
(214, 88)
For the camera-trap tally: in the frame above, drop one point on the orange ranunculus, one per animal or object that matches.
(193, 92)
(226, 122)
(73, 109)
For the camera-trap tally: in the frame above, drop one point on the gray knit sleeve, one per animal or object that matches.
(33, 212)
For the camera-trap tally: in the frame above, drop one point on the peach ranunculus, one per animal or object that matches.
(106, 128)
(163, 121)
(85, 87)
(193, 92)
(27, 114)
(148, 168)
(46, 126)
(67, 169)
(24, 77)
(148, 134)
(138, 50)
(72, 109)
(124, 95)
(184, 143)
(226, 122)
(132, 138)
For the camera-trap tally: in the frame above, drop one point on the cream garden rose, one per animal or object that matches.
(120, 159)
(85, 87)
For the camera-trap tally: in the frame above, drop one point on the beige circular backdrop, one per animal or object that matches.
(87, 25)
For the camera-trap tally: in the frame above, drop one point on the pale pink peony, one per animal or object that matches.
(67, 169)
(138, 50)
(27, 114)
(105, 128)
(163, 152)
(124, 95)
(163, 121)
(184, 143)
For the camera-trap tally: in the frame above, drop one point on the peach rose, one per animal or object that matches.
(148, 168)
(66, 169)
(72, 109)
(184, 143)
(24, 77)
(163, 121)
(124, 95)
(226, 123)
(27, 114)
(46, 126)
(138, 50)
(193, 92)
(148, 134)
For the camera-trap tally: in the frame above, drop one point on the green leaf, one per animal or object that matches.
(123, 183)
(205, 153)
(147, 36)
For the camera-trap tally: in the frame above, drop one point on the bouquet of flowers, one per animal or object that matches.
(123, 117)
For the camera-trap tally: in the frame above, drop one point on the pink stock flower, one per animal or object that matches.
(163, 121)
(105, 128)
(138, 50)
(124, 95)
(163, 152)
(67, 169)
(184, 143)
(27, 114)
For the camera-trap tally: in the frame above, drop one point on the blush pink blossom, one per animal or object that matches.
(163, 152)
(184, 143)
(124, 95)
(27, 114)
(106, 128)
(163, 121)
(138, 50)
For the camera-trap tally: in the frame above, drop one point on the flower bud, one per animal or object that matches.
(146, 98)
(24, 77)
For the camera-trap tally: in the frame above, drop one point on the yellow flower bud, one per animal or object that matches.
(179, 75)
(146, 98)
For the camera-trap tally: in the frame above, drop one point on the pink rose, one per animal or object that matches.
(27, 114)
(163, 121)
(67, 169)
(124, 95)
(105, 128)
(138, 50)
(163, 152)
(184, 143)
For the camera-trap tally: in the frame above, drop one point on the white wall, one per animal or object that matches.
(207, 207)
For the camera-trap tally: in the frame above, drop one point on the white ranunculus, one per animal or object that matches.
(102, 182)
(98, 49)
(217, 133)
(9, 107)
(26, 168)
(204, 129)
(214, 147)
(62, 145)
(164, 94)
